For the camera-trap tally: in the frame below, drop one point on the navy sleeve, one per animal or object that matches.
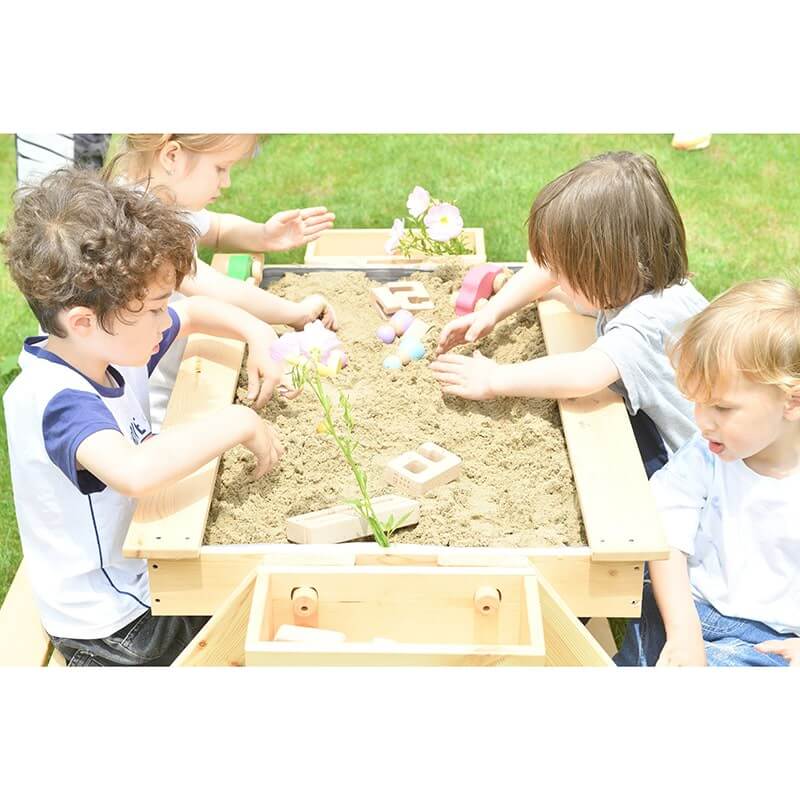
(70, 417)
(169, 337)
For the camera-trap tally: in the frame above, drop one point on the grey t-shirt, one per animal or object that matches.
(635, 337)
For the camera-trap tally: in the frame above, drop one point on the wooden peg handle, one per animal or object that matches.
(487, 600)
(304, 601)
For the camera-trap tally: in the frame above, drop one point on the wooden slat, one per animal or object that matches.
(200, 586)
(56, 659)
(567, 642)
(362, 248)
(220, 643)
(619, 512)
(23, 641)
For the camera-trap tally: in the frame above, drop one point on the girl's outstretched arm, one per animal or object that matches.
(261, 304)
(558, 376)
(230, 233)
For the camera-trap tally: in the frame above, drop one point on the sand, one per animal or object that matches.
(516, 487)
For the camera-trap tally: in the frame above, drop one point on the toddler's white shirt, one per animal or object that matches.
(740, 531)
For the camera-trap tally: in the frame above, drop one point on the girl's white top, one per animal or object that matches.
(166, 373)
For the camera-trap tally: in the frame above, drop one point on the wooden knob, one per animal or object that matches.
(499, 281)
(304, 601)
(257, 272)
(487, 600)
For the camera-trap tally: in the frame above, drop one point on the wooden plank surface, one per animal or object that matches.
(23, 641)
(618, 508)
(171, 522)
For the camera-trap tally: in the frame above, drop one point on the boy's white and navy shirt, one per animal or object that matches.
(72, 526)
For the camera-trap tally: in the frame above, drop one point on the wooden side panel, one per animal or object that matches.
(220, 643)
(567, 642)
(363, 247)
(23, 641)
(618, 509)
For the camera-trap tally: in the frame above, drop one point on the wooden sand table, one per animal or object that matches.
(516, 487)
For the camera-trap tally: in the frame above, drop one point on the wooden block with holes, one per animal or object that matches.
(344, 524)
(409, 295)
(419, 471)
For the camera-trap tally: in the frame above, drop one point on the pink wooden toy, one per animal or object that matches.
(478, 283)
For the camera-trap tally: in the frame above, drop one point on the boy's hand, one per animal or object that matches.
(314, 307)
(464, 376)
(468, 328)
(288, 229)
(788, 648)
(683, 652)
(264, 373)
(264, 445)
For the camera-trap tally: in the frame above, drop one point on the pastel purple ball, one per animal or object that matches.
(386, 334)
(401, 320)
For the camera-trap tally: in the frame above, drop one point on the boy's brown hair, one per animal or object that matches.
(611, 228)
(752, 328)
(78, 240)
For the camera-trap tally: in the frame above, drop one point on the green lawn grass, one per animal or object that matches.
(740, 202)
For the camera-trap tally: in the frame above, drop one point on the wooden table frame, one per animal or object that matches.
(601, 580)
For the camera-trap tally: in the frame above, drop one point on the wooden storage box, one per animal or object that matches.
(416, 615)
(363, 247)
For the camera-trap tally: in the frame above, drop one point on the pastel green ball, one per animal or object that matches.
(392, 362)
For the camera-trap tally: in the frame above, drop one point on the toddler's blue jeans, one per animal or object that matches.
(729, 641)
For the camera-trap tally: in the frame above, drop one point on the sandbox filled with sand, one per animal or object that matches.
(516, 487)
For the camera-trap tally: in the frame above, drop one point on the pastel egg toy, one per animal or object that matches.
(404, 356)
(392, 362)
(414, 348)
(401, 320)
(386, 334)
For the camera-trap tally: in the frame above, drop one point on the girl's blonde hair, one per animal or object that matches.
(752, 328)
(136, 151)
(611, 228)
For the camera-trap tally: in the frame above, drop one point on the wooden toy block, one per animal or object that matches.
(409, 295)
(478, 283)
(344, 524)
(301, 633)
(424, 469)
(416, 330)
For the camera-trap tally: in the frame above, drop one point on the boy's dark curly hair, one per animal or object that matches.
(78, 240)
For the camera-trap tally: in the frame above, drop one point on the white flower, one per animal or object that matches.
(398, 229)
(443, 222)
(418, 202)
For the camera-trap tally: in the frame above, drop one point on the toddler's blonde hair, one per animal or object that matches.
(136, 151)
(752, 328)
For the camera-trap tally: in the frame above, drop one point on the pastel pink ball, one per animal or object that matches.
(386, 334)
(401, 320)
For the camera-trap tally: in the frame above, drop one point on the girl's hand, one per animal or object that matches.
(464, 376)
(468, 328)
(684, 652)
(288, 229)
(314, 307)
(265, 445)
(788, 648)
